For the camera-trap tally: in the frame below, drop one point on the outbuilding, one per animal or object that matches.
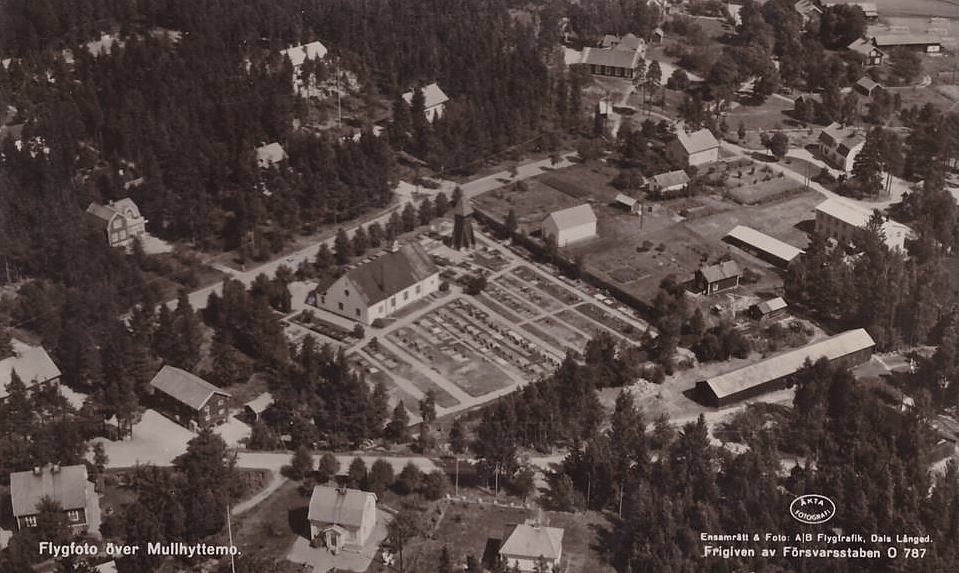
(570, 225)
(846, 350)
(695, 148)
(718, 277)
(763, 246)
(767, 310)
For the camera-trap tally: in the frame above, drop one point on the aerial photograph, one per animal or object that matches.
(479, 286)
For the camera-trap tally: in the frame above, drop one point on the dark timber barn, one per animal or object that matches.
(848, 349)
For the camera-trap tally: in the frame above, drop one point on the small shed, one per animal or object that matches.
(628, 203)
(658, 36)
(255, 407)
(772, 309)
(867, 86)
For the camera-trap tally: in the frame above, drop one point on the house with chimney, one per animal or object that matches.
(531, 543)
(120, 221)
(188, 399)
(695, 148)
(32, 365)
(67, 486)
(380, 287)
(341, 519)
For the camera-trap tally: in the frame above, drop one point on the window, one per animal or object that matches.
(73, 515)
(357, 312)
(341, 306)
(393, 301)
(346, 292)
(418, 289)
(30, 521)
(323, 299)
(406, 295)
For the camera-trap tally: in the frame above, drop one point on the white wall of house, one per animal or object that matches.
(527, 563)
(434, 112)
(569, 235)
(845, 163)
(354, 535)
(705, 156)
(343, 299)
(835, 228)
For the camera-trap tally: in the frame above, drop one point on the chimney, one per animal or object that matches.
(394, 246)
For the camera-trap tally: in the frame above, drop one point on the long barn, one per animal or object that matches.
(847, 349)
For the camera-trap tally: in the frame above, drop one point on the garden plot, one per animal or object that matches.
(511, 302)
(492, 338)
(583, 324)
(613, 322)
(402, 369)
(498, 309)
(374, 375)
(553, 289)
(451, 358)
(563, 333)
(529, 293)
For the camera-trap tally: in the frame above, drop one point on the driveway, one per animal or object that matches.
(156, 440)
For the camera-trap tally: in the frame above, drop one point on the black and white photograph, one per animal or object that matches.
(479, 286)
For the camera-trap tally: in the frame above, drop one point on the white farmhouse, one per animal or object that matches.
(382, 286)
(844, 222)
(570, 225)
(435, 101)
(341, 518)
(840, 145)
(694, 148)
(531, 542)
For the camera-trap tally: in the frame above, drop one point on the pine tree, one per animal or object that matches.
(360, 242)
(867, 168)
(408, 218)
(375, 234)
(379, 408)
(398, 428)
(457, 437)
(342, 247)
(441, 204)
(425, 213)
(428, 407)
(356, 474)
(324, 257)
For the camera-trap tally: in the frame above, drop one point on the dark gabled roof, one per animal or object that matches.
(338, 506)
(184, 387)
(612, 58)
(721, 271)
(102, 214)
(67, 486)
(391, 273)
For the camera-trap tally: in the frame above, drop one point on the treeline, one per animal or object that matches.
(898, 300)
(662, 488)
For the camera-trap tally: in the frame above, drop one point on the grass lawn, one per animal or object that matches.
(475, 529)
(768, 115)
(269, 529)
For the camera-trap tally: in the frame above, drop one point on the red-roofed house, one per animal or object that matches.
(189, 399)
(382, 286)
(530, 543)
(694, 148)
(341, 518)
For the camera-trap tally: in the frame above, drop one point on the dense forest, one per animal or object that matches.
(662, 487)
